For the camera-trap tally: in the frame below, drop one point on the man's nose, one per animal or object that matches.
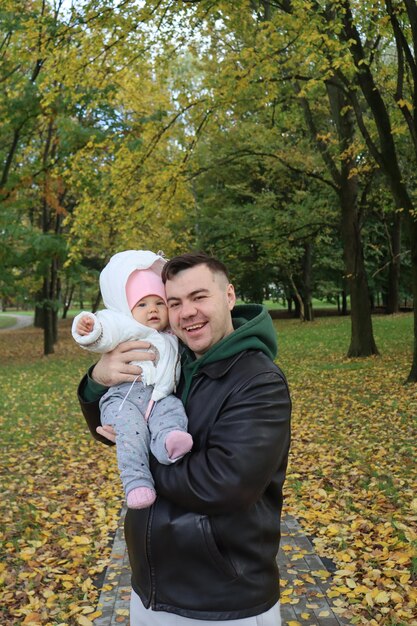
(188, 309)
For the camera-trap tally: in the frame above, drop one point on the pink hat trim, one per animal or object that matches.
(142, 283)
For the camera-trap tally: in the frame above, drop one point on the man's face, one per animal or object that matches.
(199, 306)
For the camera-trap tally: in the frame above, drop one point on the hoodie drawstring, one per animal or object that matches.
(149, 408)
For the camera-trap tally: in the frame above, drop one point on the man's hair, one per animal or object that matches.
(191, 259)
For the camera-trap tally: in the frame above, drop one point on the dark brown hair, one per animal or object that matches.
(191, 259)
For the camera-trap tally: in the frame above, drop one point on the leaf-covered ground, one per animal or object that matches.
(61, 494)
(351, 482)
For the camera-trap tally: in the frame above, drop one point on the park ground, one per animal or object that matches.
(352, 479)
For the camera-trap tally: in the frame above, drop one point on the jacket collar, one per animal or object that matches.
(220, 368)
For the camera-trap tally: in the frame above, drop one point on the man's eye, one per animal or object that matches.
(172, 305)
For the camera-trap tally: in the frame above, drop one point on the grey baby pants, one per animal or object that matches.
(135, 436)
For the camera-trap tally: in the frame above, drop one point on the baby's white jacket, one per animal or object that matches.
(116, 324)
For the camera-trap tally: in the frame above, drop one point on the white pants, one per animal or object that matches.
(139, 616)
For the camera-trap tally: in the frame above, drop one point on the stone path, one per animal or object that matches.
(305, 581)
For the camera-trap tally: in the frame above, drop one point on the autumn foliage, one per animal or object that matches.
(351, 483)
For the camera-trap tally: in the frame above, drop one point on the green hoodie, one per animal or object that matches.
(253, 330)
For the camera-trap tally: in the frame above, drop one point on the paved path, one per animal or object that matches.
(21, 321)
(305, 581)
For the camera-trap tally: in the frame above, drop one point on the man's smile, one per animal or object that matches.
(194, 327)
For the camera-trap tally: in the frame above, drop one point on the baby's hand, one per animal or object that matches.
(85, 325)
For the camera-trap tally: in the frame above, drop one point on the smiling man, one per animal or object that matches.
(205, 552)
(200, 300)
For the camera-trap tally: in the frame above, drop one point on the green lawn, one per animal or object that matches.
(6, 321)
(352, 477)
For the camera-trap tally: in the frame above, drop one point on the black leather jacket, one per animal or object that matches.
(207, 548)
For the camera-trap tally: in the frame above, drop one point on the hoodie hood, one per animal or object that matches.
(253, 330)
(114, 276)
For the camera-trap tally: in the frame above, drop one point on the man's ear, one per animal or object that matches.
(231, 296)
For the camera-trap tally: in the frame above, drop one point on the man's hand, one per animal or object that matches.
(114, 367)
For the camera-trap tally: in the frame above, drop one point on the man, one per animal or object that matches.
(205, 552)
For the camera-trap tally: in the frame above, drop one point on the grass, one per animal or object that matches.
(273, 305)
(18, 312)
(352, 477)
(6, 321)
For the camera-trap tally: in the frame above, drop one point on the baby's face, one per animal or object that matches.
(151, 311)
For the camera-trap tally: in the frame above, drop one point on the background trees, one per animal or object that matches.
(278, 135)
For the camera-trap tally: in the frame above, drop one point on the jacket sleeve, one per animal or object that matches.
(89, 402)
(246, 447)
(110, 329)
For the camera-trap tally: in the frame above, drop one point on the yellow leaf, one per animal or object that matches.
(308, 578)
(382, 597)
(322, 573)
(287, 592)
(88, 609)
(84, 621)
(32, 618)
(81, 540)
(396, 597)
(27, 553)
(293, 623)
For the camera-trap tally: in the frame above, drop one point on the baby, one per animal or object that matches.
(145, 414)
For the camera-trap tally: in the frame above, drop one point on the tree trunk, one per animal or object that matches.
(393, 293)
(412, 376)
(372, 300)
(48, 331)
(69, 292)
(96, 302)
(344, 303)
(307, 282)
(39, 321)
(362, 341)
(299, 304)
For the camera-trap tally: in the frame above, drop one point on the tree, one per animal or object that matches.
(67, 100)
